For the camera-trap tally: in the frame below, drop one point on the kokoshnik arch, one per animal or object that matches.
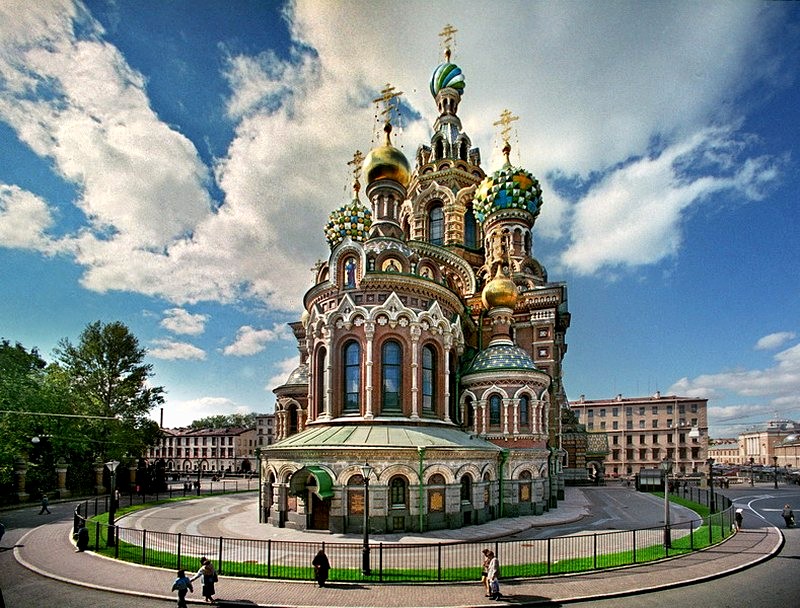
(431, 346)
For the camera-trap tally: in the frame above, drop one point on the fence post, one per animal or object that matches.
(219, 558)
(594, 551)
(178, 566)
(144, 546)
(439, 562)
(634, 546)
(96, 536)
(548, 555)
(691, 535)
(380, 562)
(269, 558)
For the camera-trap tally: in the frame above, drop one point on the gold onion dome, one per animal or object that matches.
(500, 291)
(386, 162)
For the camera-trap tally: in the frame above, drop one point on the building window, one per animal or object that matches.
(603, 425)
(436, 220)
(470, 230)
(602, 413)
(391, 376)
(352, 377)
(655, 424)
(655, 410)
(629, 424)
(524, 416)
(466, 488)
(494, 410)
(629, 411)
(397, 492)
(642, 424)
(641, 411)
(320, 381)
(428, 379)
(615, 411)
(615, 425)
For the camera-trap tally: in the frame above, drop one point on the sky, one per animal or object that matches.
(172, 165)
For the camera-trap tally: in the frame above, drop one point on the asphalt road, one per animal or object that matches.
(770, 584)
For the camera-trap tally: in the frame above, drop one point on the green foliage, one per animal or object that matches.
(221, 421)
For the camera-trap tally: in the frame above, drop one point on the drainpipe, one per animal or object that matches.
(421, 453)
(503, 459)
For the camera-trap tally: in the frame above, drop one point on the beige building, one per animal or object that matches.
(265, 430)
(213, 450)
(760, 443)
(725, 451)
(643, 431)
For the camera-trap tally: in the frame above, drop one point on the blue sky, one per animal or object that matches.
(172, 164)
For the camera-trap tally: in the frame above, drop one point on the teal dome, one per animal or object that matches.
(509, 188)
(353, 220)
(501, 357)
(447, 75)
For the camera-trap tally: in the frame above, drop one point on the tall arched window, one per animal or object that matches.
(397, 492)
(494, 410)
(320, 381)
(428, 379)
(436, 223)
(466, 488)
(352, 377)
(470, 230)
(524, 414)
(469, 413)
(391, 376)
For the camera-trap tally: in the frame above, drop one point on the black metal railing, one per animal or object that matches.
(406, 562)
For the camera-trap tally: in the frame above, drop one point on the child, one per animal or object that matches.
(182, 585)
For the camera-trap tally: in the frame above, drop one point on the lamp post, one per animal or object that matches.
(366, 470)
(752, 472)
(666, 467)
(775, 470)
(711, 504)
(112, 465)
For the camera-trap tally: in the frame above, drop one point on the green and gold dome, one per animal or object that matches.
(353, 220)
(509, 188)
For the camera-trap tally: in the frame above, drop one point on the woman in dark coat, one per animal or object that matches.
(321, 567)
(209, 577)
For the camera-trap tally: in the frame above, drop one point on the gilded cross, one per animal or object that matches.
(388, 94)
(358, 160)
(506, 118)
(447, 38)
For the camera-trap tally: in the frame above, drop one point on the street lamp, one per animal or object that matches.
(752, 472)
(366, 470)
(711, 504)
(112, 465)
(666, 467)
(775, 470)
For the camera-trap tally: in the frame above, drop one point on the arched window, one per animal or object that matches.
(436, 223)
(397, 492)
(391, 376)
(320, 381)
(470, 230)
(469, 413)
(524, 413)
(439, 149)
(352, 377)
(428, 379)
(494, 410)
(462, 150)
(466, 488)
(437, 479)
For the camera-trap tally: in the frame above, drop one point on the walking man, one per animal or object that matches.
(45, 504)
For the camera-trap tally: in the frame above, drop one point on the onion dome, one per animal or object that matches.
(447, 75)
(500, 291)
(353, 220)
(298, 376)
(508, 188)
(386, 162)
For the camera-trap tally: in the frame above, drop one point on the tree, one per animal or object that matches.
(222, 421)
(109, 382)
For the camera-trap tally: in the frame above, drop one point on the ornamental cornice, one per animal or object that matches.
(449, 259)
(504, 377)
(379, 245)
(413, 285)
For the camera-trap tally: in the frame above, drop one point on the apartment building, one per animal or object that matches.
(265, 430)
(643, 431)
(212, 450)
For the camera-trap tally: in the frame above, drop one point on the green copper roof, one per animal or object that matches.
(369, 435)
(501, 357)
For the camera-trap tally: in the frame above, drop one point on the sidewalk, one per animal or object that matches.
(48, 550)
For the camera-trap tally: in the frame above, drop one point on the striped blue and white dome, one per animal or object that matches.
(447, 75)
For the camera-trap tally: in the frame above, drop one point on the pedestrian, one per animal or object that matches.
(82, 537)
(209, 577)
(321, 567)
(485, 572)
(45, 505)
(739, 518)
(493, 574)
(182, 585)
(788, 516)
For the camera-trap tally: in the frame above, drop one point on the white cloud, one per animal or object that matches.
(181, 413)
(776, 340)
(170, 349)
(284, 367)
(634, 216)
(24, 220)
(180, 321)
(250, 341)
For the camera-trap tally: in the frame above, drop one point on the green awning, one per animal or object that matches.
(323, 488)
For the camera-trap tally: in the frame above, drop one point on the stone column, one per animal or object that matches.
(98, 477)
(416, 332)
(21, 471)
(61, 474)
(369, 335)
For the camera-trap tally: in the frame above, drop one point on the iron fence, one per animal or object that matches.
(408, 563)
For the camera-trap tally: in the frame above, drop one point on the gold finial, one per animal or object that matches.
(506, 118)
(447, 40)
(356, 163)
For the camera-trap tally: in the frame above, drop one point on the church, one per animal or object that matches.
(431, 347)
